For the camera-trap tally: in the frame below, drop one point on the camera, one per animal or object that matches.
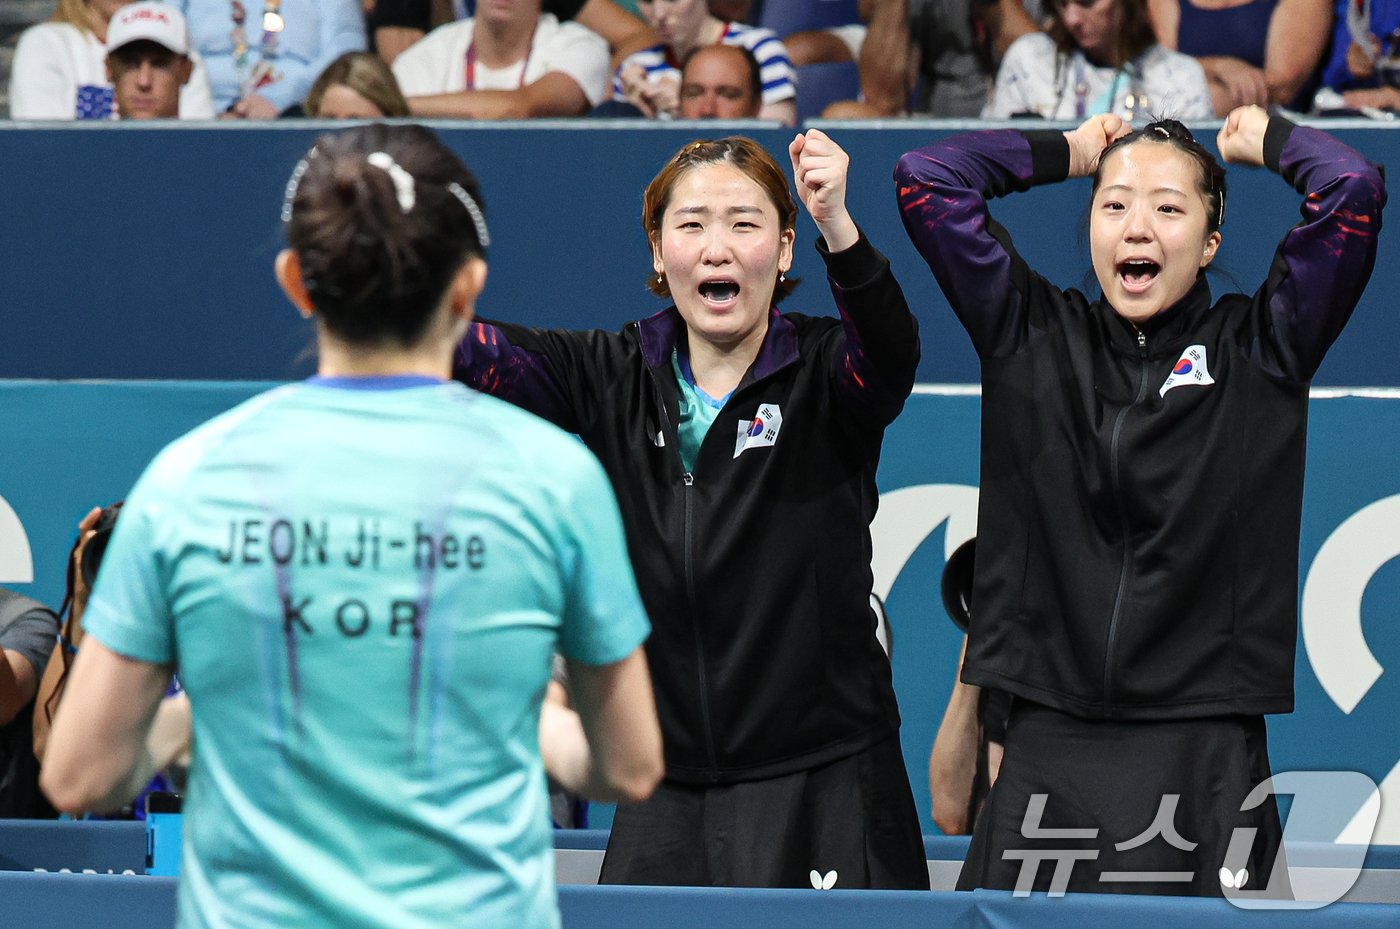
(97, 545)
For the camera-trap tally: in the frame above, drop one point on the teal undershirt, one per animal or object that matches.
(698, 411)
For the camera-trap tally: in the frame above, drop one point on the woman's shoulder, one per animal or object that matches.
(1031, 45)
(551, 27)
(751, 37)
(1160, 58)
(49, 36)
(449, 33)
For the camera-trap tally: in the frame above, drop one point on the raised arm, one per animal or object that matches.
(71, 637)
(875, 368)
(555, 374)
(943, 191)
(1323, 263)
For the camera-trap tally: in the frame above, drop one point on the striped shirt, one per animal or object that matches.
(774, 67)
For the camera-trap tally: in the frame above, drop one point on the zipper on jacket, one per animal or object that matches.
(689, 480)
(1126, 565)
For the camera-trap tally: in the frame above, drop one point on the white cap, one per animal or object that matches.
(148, 21)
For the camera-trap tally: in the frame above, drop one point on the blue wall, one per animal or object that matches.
(135, 252)
(69, 446)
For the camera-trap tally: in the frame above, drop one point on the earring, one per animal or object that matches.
(658, 277)
(782, 277)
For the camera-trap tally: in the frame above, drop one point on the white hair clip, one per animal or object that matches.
(460, 192)
(403, 181)
(294, 182)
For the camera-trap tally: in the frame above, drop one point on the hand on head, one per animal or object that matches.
(820, 168)
(1241, 139)
(1090, 138)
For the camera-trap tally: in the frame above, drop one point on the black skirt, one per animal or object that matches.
(1127, 807)
(852, 823)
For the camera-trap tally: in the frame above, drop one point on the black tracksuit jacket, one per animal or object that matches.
(754, 566)
(1141, 491)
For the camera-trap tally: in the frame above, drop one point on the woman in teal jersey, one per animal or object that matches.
(362, 580)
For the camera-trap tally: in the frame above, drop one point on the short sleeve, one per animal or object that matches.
(129, 611)
(583, 56)
(774, 65)
(32, 634)
(42, 82)
(1017, 79)
(427, 66)
(196, 98)
(603, 619)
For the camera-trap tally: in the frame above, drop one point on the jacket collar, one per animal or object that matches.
(1163, 331)
(661, 333)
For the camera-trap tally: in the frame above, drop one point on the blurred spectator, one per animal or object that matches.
(262, 61)
(1363, 72)
(357, 85)
(1098, 57)
(966, 754)
(148, 61)
(721, 82)
(650, 79)
(170, 733)
(1253, 51)
(60, 68)
(397, 24)
(967, 750)
(519, 63)
(28, 631)
(932, 57)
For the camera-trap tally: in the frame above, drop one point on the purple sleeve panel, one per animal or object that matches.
(517, 365)
(1324, 262)
(874, 370)
(943, 191)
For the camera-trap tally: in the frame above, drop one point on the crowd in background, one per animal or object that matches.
(784, 60)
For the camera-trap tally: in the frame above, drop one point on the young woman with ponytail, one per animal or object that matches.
(362, 580)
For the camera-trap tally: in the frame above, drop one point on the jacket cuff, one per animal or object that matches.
(1275, 137)
(1049, 155)
(853, 266)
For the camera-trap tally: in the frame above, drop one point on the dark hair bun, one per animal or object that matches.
(1170, 129)
(380, 218)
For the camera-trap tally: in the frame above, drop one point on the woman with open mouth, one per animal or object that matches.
(742, 443)
(1142, 482)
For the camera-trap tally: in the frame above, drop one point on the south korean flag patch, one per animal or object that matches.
(1190, 370)
(759, 432)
